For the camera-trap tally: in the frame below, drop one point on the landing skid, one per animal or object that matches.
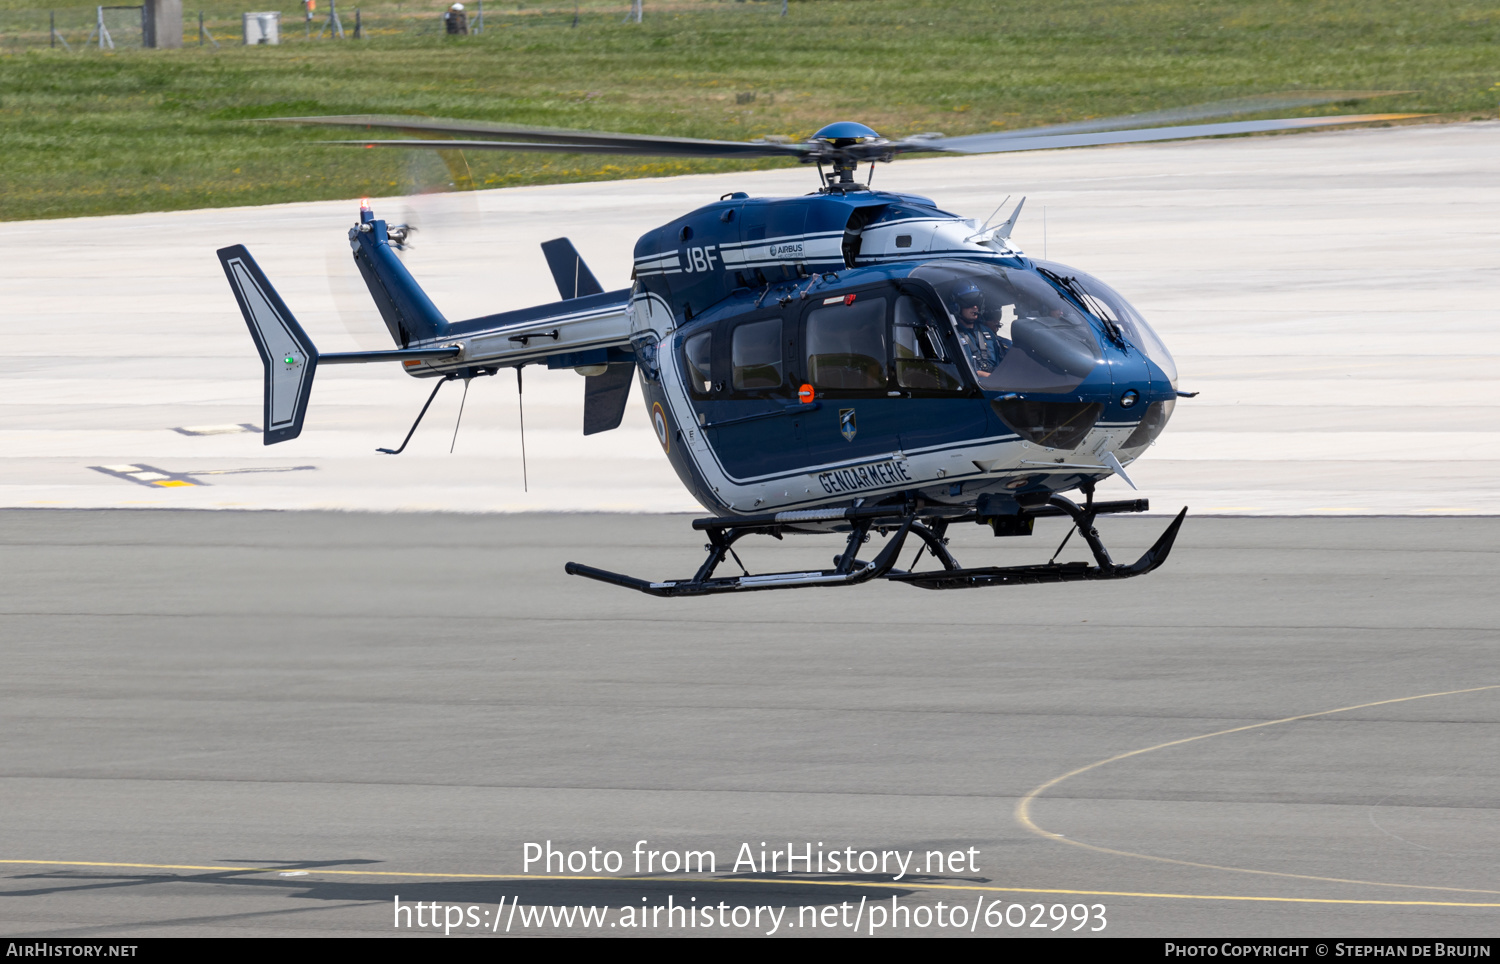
(929, 524)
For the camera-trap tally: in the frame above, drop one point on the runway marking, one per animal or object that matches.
(1023, 806)
(236, 428)
(880, 884)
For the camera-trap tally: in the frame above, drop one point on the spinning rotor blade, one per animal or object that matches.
(552, 140)
(657, 147)
(846, 149)
(1197, 112)
(1000, 143)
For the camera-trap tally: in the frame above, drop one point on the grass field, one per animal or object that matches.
(86, 132)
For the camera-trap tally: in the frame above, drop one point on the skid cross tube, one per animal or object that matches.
(929, 524)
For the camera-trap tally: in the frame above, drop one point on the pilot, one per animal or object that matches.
(979, 340)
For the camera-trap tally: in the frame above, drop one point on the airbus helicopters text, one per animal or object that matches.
(852, 360)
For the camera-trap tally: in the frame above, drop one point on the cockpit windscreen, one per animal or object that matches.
(1018, 334)
(1106, 303)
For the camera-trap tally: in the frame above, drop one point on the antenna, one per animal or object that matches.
(458, 421)
(993, 213)
(521, 409)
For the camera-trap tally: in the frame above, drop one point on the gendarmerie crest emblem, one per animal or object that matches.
(847, 425)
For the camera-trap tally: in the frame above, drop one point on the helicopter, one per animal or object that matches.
(851, 361)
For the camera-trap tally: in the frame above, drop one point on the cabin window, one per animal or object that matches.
(755, 355)
(846, 344)
(697, 356)
(921, 361)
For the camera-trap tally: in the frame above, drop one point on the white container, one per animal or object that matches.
(263, 28)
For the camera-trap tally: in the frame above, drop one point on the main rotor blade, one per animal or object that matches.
(1110, 130)
(659, 149)
(1258, 103)
(999, 143)
(528, 138)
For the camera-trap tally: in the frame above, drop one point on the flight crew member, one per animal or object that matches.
(979, 340)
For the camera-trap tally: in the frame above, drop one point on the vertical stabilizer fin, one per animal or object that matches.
(573, 277)
(605, 397)
(408, 312)
(289, 357)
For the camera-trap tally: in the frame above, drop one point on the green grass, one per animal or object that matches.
(135, 130)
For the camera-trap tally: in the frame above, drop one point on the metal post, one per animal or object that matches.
(783, 8)
(204, 32)
(333, 26)
(59, 37)
(479, 19)
(104, 37)
(52, 26)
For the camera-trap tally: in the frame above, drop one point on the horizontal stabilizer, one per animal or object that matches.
(573, 277)
(400, 354)
(289, 357)
(605, 397)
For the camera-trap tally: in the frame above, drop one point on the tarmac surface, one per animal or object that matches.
(267, 723)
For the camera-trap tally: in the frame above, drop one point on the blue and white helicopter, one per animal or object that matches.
(849, 361)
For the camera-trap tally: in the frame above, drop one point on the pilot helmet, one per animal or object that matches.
(967, 296)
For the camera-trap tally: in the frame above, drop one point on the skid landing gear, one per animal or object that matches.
(927, 523)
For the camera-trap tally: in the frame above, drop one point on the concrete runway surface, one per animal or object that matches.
(1330, 294)
(267, 723)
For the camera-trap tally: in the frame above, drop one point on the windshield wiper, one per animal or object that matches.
(1071, 286)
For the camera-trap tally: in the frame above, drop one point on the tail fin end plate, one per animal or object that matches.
(288, 355)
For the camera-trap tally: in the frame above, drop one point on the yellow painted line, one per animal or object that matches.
(1023, 806)
(783, 882)
(171, 483)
